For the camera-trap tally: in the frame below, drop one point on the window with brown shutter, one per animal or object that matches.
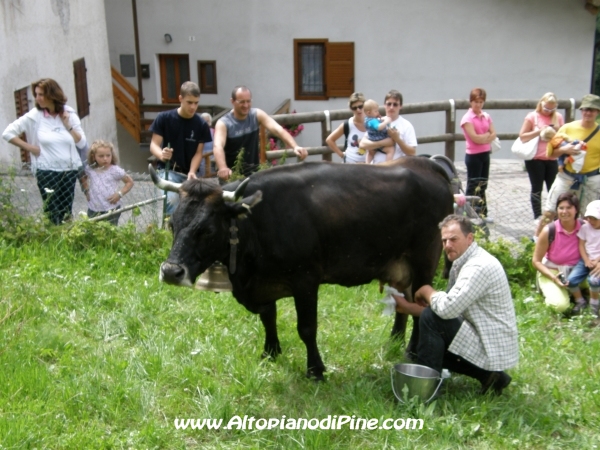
(207, 75)
(323, 69)
(81, 88)
(22, 107)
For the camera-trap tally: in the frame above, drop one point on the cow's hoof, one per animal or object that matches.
(315, 375)
(271, 353)
(267, 355)
(410, 356)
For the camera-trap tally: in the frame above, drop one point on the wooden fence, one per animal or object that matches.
(450, 136)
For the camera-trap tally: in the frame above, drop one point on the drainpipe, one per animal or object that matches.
(137, 50)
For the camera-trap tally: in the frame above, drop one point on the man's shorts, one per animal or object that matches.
(588, 191)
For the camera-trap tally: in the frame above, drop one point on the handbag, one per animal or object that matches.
(526, 150)
(495, 145)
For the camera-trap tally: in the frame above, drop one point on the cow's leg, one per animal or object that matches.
(399, 328)
(305, 299)
(411, 348)
(424, 267)
(269, 320)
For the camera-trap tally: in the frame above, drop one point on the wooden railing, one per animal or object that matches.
(283, 108)
(127, 104)
(449, 107)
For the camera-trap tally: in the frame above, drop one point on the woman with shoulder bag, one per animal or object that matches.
(557, 252)
(355, 125)
(542, 168)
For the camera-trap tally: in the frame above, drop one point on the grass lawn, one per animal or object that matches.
(96, 353)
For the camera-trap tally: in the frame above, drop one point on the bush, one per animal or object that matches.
(516, 260)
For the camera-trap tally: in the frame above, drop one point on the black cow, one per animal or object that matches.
(317, 223)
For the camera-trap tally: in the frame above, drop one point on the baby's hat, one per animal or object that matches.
(593, 209)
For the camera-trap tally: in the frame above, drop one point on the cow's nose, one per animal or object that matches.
(172, 273)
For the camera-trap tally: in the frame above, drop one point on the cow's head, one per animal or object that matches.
(200, 226)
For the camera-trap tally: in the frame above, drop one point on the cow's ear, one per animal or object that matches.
(244, 207)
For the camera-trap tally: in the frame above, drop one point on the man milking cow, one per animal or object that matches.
(471, 329)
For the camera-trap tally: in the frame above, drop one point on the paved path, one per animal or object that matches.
(508, 198)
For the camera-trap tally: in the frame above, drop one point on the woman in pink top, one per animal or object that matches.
(479, 133)
(541, 169)
(554, 261)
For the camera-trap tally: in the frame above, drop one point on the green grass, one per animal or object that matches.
(96, 353)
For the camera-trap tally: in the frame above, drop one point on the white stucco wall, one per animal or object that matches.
(41, 39)
(432, 50)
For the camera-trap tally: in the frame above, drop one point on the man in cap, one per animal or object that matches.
(471, 329)
(586, 183)
(589, 264)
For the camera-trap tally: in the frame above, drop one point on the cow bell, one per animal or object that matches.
(215, 279)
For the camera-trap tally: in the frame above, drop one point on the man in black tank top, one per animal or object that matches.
(239, 130)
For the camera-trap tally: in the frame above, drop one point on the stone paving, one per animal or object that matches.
(508, 198)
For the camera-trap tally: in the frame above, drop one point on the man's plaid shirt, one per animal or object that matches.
(478, 291)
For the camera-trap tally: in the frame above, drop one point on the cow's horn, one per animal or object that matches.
(162, 184)
(229, 196)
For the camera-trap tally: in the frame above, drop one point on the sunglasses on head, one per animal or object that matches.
(392, 104)
(354, 108)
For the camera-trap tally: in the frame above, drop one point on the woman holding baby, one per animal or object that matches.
(542, 122)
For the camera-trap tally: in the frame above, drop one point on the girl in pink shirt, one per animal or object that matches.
(104, 177)
(479, 133)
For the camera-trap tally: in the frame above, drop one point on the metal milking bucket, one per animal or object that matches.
(422, 381)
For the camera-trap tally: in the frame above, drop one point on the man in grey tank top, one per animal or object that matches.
(239, 130)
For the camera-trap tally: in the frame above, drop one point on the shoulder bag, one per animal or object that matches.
(495, 145)
(526, 150)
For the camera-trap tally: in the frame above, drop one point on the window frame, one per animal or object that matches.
(162, 58)
(298, 94)
(205, 88)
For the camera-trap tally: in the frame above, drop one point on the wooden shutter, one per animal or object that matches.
(81, 89)
(21, 103)
(22, 106)
(207, 74)
(339, 59)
